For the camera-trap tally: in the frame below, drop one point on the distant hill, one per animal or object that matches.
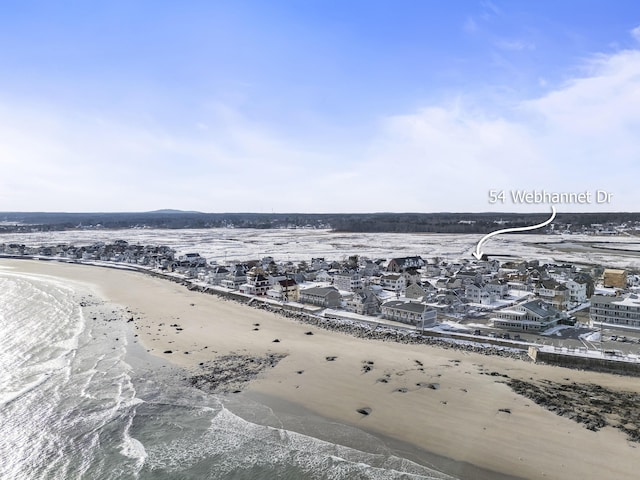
(173, 211)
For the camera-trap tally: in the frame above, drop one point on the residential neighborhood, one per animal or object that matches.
(498, 295)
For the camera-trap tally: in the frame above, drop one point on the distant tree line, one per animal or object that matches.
(346, 222)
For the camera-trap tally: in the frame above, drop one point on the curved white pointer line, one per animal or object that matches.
(478, 253)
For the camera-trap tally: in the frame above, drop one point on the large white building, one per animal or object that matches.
(530, 316)
(619, 311)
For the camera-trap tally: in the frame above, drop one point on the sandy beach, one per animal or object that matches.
(450, 402)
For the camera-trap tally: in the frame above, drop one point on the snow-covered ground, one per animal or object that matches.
(584, 352)
(591, 337)
(226, 244)
(557, 330)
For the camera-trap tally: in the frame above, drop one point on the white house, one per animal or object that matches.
(529, 316)
(479, 294)
(287, 290)
(348, 281)
(393, 281)
(257, 283)
(577, 293)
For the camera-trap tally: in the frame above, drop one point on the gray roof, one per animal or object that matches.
(408, 306)
(319, 291)
(605, 299)
(391, 276)
(540, 308)
(551, 284)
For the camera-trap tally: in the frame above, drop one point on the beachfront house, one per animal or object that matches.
(236, 277)
(363, 302)
(257, 283)
(529, 316)
(286, 290)
(327, 297)
(619, 311)
(413, 313)
(217, 274)
(14, 249)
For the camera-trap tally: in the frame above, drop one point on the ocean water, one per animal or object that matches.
(80, 399)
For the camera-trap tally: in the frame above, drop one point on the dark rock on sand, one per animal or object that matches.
(591, 405)
(231, 372)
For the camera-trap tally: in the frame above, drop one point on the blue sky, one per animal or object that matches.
(316, 106)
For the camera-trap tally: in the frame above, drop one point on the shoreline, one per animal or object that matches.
(445, 401)
(413, 453)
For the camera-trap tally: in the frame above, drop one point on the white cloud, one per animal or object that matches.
(515, 45)
(635, 33)
(59, 160)
(582, 136)
(470, 25)
(490, 8)
(445, 156)
(604, 104)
